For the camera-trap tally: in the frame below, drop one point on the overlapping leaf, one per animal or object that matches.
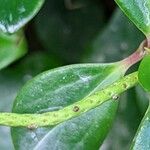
(55, 89)
(67, 31)
(115, 42)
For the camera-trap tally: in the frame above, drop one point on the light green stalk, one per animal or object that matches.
(74, 110)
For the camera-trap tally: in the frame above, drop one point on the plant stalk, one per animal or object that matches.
(32, 121)
(136, 56)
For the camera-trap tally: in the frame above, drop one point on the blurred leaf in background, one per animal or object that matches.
(58, 88)
(142, 99)
(118, 39)
(65, 27)
(12, 47)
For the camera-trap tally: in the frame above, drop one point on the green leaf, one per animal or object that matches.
(144, 73)
(138, 11)
(14, 14)
(58, 88)
(13, 78)
(68, 31)
(142, 138)
(12, 47)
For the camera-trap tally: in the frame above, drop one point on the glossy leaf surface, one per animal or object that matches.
(14, 14)
(138, 11)
(12, 47)
(142, 138)
(61, 87)
(144, 73)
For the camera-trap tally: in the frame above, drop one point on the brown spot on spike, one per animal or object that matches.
(32, 127)
(76, 109)
(125, 85)
(115, 97)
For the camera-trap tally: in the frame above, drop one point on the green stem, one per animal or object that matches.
(74, 110)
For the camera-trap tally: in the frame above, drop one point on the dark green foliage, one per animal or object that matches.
(68, 32)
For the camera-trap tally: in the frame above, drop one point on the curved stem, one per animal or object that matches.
(136, 56)
(74, 110)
